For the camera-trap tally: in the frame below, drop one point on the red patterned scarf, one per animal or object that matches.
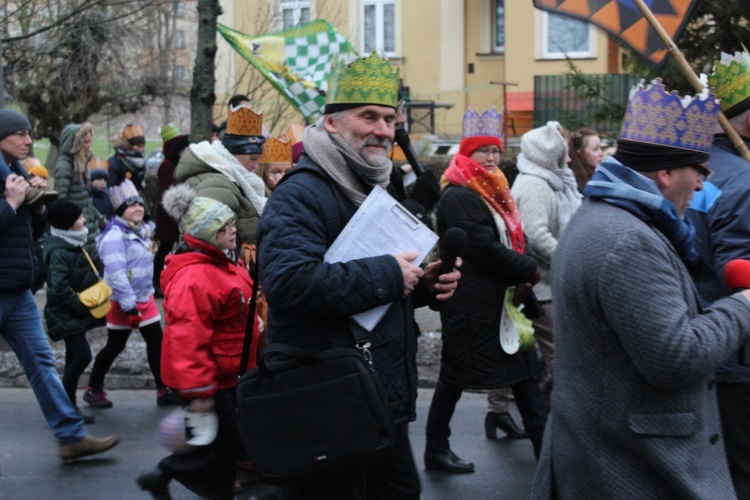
(493, 188)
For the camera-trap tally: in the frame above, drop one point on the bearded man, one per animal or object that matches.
(311, 301)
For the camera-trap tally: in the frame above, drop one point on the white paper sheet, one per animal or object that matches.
(380, 226)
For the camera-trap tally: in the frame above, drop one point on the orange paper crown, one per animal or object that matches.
(276, 150)
(244, 121)
(132, 131)
(97, 162)
(295, 132)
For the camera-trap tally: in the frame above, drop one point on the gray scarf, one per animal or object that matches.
(75, 238)
(334, 155)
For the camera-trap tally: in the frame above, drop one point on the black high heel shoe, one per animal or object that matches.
(156, 483)
(504, 422)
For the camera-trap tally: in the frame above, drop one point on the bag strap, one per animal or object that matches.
(248, 341)
(96, 271)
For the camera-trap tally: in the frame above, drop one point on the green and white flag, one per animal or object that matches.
(296, 61)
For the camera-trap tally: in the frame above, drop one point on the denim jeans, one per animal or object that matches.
(21, 327)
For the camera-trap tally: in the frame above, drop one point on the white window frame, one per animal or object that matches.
(179, 8)
(296, 7)
(548, 53)
(179, 39)
(497, 49)
(379, 26)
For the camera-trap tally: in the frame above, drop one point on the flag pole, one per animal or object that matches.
(679, 58)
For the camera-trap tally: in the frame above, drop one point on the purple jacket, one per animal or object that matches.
(128, 263)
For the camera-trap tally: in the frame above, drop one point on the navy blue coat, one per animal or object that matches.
(720, 212)
(19, 264)
(310, 301)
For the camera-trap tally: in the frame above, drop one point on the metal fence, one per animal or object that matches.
(595, 101)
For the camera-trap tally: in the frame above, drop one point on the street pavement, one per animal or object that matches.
(30, 467)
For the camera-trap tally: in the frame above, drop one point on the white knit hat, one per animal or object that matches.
(545, 146)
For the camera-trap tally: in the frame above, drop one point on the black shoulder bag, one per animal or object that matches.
(306, 416)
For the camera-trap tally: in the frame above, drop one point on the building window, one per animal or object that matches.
(179, 72)
(378, 27)
(179, 39)
(179, 8)
(294, 13)
(565, 37)
(498, 28)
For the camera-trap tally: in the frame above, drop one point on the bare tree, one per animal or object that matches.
(66, 61)
(202, 95)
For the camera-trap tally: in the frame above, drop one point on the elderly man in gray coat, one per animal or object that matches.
(634, 411)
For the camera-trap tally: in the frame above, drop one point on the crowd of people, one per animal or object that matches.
(590, 288)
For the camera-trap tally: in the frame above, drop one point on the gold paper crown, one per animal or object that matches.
(367, 80)
(31, 162)
(295, 132)
(97, 162)
(244, 121)
(731, 79)
(276, 150)
(132, 131)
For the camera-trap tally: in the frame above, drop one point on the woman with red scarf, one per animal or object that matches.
(476, 198)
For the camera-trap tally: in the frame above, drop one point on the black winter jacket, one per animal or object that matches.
(310, 301)
(471, 355)
(19, 265)
(69, 272)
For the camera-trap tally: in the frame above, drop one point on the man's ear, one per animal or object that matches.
(663, 178)
(330, 124)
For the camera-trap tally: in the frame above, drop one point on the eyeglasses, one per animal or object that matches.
(704, 173)
(488, 151)
(229, 225)
(22, 133)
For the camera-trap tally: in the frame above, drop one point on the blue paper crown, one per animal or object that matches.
(489, 123)
(655, 116)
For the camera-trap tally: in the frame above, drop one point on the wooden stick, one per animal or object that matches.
(679, 58)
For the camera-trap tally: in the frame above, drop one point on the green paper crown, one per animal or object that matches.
(731, 79)
(367, 80)
(169, 131)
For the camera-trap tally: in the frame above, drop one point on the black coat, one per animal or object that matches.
(471, 355)
(310, 301)
(19, 230)
(69, 272)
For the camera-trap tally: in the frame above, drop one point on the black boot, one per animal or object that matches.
(447, 461)
(505, 423)
(155, 482)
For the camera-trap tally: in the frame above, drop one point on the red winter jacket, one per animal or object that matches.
(206, 309)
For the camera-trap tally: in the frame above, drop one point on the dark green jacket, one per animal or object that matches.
(77, 192)
(69, 272)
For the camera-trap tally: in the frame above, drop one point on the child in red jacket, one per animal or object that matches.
(207, 291)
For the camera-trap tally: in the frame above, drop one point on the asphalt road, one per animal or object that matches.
(31, 469)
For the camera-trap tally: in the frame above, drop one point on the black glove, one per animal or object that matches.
(426, 190)
(133, 312)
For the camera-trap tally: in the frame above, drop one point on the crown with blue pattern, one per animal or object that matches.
(655, 116)
(489, 123)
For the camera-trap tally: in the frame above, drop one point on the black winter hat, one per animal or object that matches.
(12, 121)
(63, 214)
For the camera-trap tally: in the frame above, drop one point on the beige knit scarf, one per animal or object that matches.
(334, 155)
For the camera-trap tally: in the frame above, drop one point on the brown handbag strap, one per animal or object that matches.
(91, 262)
